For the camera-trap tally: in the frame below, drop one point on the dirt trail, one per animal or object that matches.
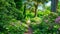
(29, 28)
(29, 31)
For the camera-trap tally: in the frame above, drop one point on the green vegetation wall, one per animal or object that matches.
(8, 7)
(8, 12)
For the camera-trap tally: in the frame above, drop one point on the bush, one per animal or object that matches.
(9, 17)
(47, 26)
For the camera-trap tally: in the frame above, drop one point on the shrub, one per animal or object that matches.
(9, 17)
(47, 26)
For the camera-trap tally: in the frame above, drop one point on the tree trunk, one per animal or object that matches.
(54, 5)
(24, 10)
(36, 7)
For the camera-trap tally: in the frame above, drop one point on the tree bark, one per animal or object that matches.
(36, 7)
(24, 10)
(54, 4)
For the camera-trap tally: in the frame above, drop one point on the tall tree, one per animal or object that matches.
(54, 5)
(37, 2)
(24, 10)
(36, 5)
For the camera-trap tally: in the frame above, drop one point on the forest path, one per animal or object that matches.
(29, 28)
(29, 31)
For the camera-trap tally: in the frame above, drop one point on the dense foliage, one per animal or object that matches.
(8, 18)
(48, 24)
(16, 16)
